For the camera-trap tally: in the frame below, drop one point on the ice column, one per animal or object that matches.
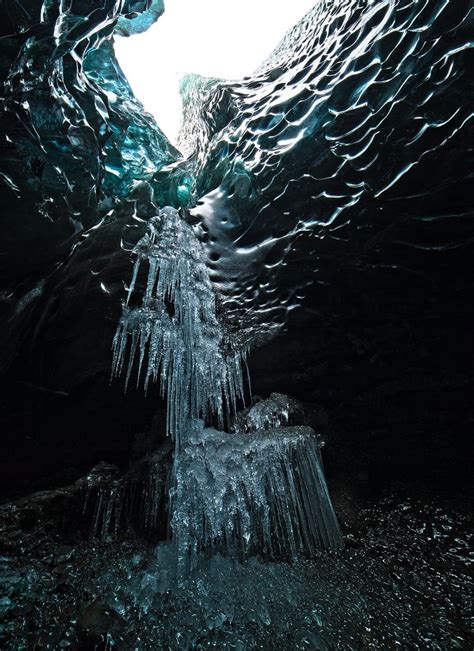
(257, 490)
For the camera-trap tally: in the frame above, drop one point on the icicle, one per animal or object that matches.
(260, 489)
(175, 333)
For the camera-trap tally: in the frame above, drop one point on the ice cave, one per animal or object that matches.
(237, 317)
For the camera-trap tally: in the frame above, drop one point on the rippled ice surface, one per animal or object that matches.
(331, 151)
(400, 582)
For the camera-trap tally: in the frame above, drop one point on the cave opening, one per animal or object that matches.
(207, 38)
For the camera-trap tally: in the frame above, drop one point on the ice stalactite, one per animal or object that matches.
(251, 493)
(174, 336)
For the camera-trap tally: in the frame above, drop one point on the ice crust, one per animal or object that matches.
(276, 411)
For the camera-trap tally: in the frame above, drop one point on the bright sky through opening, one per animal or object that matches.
(214, 38)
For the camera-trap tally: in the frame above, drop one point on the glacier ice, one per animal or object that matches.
(318, 176)
(325, 162)
(289, 174)
(321, 166)
(276, 411)
(138, 499)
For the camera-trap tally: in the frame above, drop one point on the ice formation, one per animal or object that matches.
(241, 493)
(276, 411)
(319, 170)
(318, 175)
(113, 504)
(325, 162)
(244, 494)
(174, 333)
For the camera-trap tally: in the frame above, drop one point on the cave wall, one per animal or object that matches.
(376, 307)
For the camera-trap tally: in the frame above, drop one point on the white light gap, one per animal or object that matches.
(213, 38)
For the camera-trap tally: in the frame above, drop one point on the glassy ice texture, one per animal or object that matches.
(323, 163)
(139, 498)
(276, 411)
(345, 158)
(174, 334)
(241, 494)
(76, 139)
(370, 595)
(345, 152)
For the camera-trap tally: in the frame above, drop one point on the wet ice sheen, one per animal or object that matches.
(371, 595)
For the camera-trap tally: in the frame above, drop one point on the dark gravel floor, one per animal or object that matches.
(401, 582)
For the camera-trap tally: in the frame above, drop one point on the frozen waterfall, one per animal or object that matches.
(174, 335)
(259, 490)
(246, 494)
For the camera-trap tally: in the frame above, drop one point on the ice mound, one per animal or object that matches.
(245, 494)
(276, 411)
